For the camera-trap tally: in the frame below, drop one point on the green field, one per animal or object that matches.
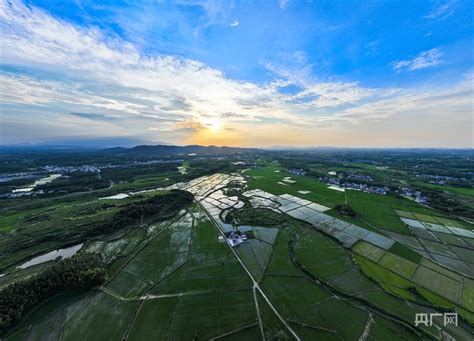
(153, 262)
(175, 279)
(400, 277)
(372, 210)
(272, 327)
(98, 316)
(200, 316)
(267, 180)
(458, 190)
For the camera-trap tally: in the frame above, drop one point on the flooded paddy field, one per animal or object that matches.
(269, 263)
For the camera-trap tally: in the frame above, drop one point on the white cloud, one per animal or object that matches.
(166, 97)
(423, 60)
(442, 11)
(327, 95)
(372, 48)
(440, 117)
(424, 105)
(292, 66)
(30, 91)
(31, 37)
(283, 4)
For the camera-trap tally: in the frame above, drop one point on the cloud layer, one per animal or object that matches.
(98, 84)
(423, 60)
(442, 11)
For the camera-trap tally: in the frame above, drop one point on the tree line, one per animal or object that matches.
(82, 271)
(159, 207)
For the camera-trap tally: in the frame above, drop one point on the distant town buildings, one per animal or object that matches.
(72, 169)
(413, 194)
(96, 169)
(362, 182)
(354, 181)
(439, 179)
(296, 171)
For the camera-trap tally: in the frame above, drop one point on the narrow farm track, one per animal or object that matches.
(330, 331)
(144, 244)
(132, 321)
(233, 331)
(351, 299)
(368, 325)
(260, 324)
(179, 294)
(147, 296)
(255, 283)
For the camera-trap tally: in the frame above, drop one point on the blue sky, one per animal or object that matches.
(305, 73)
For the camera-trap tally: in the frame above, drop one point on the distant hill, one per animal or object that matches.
(163, 150)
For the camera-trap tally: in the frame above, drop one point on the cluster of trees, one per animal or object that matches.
(131, 172)
(82, 271)
(8, 186)
(75, 182)
(159, 207)
(13, 247)
(448, 204)
(206, 167)
(345, 210)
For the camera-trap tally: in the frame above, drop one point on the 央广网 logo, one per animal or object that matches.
(427, 319)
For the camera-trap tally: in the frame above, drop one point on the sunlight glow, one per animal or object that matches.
(214, 124)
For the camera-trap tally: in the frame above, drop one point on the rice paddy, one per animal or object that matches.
(300, 271)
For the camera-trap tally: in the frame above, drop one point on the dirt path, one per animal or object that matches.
(255, 283)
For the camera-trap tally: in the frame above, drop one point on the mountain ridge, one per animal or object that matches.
(178, 150)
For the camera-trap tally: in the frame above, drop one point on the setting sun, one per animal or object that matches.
(214, 125)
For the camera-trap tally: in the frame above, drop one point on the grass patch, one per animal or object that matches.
(152, 322)
(280, 263)
(99, 317)
(267, 180)
(368, 250)
(295, 297)
(385, 330)
(398, 265)
(272, 326)
(210, 315)
(442, 285)
(321, 255)
(405, 252)
(388, 280)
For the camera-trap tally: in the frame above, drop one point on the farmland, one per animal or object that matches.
(254, 253)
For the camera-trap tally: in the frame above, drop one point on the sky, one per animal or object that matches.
(243, 73)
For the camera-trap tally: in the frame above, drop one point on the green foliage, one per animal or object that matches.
(345, 210)
(81, 271)
(76, 182)
(65, 223)
(405, 252)
(98, 316)
(267, 179)
(159, 207)
(449, 203)
(257, 217)
(311, 279)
